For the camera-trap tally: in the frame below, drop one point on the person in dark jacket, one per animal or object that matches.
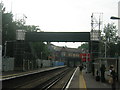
(41, 65)
(81, 67)
(114, 76)
(102, 69)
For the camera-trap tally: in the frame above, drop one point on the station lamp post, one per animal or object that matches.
(117, 18)
(112, 17)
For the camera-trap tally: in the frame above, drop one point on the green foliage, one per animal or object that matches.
(110, 37)
(110, 33)
(118, 48)
(31, 28)
(9, 27)
(41, 50)
(84, 46)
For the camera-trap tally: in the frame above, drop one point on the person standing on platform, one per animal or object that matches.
(114, 77)
(81, 67)
(93, 70)
(41, 65)
(102, 69)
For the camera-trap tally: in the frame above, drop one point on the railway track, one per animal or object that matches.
(58, 82)
(42, 81)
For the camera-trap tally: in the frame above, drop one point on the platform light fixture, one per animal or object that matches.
(112, 17)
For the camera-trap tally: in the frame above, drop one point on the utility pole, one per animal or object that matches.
(41, 60)
(96, 26)
(105, 49)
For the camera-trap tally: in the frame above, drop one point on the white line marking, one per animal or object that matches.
(71, 79)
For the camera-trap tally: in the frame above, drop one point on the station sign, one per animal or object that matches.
(85, 57)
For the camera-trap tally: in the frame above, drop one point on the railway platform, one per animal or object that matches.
(86, 81)
(91, 83)
(14, 74)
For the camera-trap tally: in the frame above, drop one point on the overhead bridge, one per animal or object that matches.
(57, 36)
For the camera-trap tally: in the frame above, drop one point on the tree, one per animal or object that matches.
(9, 27)
(109, 37)
(31, 28)
(118, 48)
(110, 33)
(84, 47)
(41, 50)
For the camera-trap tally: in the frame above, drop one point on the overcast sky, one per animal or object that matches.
(63, 15)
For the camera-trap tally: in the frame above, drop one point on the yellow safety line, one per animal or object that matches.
(6, 76)
(15, 74)
(82, 81)
(10, 75)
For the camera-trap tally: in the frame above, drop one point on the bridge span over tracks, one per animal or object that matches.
(58, 36)
(50, 37)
